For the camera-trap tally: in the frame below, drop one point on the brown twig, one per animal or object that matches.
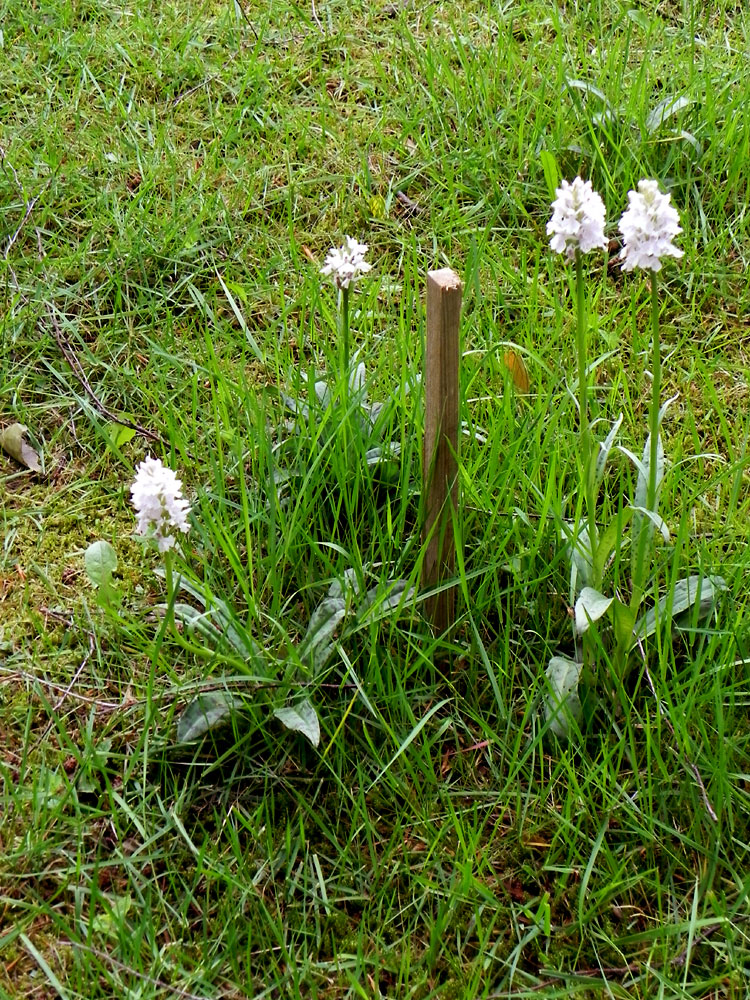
(316, 18)
(680, 959)
(613, 971)
(70, 356)
(249, 23)
(29, 206)
(104, 706)
(105, 957)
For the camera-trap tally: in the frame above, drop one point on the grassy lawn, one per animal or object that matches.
(172, 176)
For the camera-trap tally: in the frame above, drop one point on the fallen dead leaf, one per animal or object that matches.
(13, 442)
(514, 363)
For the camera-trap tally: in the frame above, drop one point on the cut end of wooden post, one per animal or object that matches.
(446, 278)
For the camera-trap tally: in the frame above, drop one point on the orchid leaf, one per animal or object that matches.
(588, 88)
(612, 535)
(357, 378)
(348, 584)
(382, 454)
(605, 447)
(581, 560)
(623, 617)
(301, 718)
(209, 710)
(656, 519)
(118, 434)
(667, 108)
(589, 608)
(316, 646)
(226, 624)
(551, 171)
(691, 592)
(562, 705)
(641, 490)
(387, 598)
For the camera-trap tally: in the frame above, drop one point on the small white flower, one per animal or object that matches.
(648, 226)
(157, 497)
(577, 221)
(345, 264)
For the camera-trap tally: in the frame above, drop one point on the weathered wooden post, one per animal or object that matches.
(441, 428)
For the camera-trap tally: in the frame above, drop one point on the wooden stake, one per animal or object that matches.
(441, 440)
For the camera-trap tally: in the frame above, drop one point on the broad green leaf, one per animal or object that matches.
(640, 18)
(644, 466)
(111, 921)
(387, 597)
(93, 764)
(301, 718)
(588, 88)
(642, 520)
(704, 604)
(12, 441)
(218, 630)
(612, 535)
(689, 137)
(604, 449)
(605, 119)
(623, 619)
(656, 519)
(296, 406)
(562, 705)
(357, 381)
(316, 646)
(382, 454)
(348, 584)
(100, 562)
(194, 620)
(45, 789)
(119, 434)
(551, 171)
(590, 607)
(666, 109)
(323, 392)
(702, 591)
(580, 558)
(209, 710)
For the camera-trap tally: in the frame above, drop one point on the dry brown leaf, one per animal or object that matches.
(12, 441)
(514, 363)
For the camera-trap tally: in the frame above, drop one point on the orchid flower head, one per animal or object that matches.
(648, 226)
(577, 222)
(156, 494)
(347, 263)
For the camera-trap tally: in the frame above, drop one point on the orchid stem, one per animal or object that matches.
(345, 333)
(171, 595)
(587, 456)
(646, 532)
(655, 394)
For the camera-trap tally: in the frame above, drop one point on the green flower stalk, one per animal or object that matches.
(577, 227)
(648, 227)
(345, 265)
(587, 451)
